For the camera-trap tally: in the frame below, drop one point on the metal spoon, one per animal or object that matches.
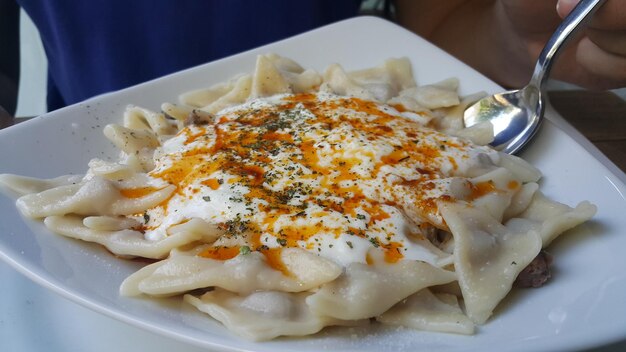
(517, 114)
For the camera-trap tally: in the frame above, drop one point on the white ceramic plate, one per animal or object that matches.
(582, 307)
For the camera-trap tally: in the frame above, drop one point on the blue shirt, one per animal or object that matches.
(97, 46)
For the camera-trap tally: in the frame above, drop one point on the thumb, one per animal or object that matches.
(564, 7)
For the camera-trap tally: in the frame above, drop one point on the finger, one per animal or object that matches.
(601, 63)
(531, 16)
(612, 41)
(611, 16)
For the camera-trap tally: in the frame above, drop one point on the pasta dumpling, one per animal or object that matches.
(264, 315)
(429, 312)
(244, 273)
(363, 291)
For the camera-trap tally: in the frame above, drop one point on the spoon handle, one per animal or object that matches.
(566, 30)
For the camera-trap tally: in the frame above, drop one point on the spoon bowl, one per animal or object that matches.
(517, 114)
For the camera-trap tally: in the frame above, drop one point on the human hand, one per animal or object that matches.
(503, 38)
(599, 59)
(595, 59)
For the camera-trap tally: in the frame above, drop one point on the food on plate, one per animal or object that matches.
(285, 200)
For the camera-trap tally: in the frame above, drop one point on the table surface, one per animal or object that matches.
(29, 313)
(599, 116)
